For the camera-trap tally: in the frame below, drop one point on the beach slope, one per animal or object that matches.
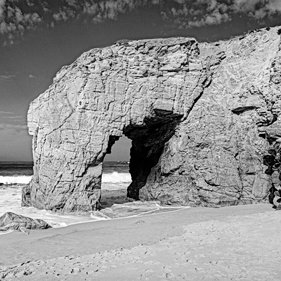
(230, 243)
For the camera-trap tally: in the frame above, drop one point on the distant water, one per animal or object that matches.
(26, 168)
(21, 173)
(16, 168)
(15, 175)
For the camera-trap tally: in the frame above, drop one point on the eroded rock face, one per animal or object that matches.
(199, 116)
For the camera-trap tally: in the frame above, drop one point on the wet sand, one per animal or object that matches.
(229, 243)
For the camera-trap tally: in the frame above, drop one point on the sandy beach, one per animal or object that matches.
(229, 243)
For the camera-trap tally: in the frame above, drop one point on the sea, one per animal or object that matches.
(114, 202)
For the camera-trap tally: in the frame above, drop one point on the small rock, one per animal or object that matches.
(12, 221)
(140, 221)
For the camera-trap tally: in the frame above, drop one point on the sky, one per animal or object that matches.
(38, 37)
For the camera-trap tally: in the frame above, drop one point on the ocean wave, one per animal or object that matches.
(15, 179)
(10, 201)
(116, 177)
(113, 177)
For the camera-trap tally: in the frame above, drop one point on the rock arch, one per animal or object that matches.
(194, 113)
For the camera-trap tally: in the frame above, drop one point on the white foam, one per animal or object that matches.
(15, 179)
(116, 177)
(6, 232)
(10, 201)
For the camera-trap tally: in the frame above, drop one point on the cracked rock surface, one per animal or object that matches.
(201, 117)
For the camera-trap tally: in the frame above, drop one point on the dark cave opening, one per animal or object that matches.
(147, 144)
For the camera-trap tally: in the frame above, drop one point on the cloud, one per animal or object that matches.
(12, 128)
(198, 13)
(2, 5)
(110, 9)
(6, 76)
(18, 16)
(5, 112)
(10, 117)
(257, 9)
(30, 76)
(14, 21)
(15, 117)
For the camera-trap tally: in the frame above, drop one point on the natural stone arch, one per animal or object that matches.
(211, 151)
(91, 102)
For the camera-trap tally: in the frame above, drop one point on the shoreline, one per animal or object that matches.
(102, 217)
(116, 247)
(101, 237)
(10, 201)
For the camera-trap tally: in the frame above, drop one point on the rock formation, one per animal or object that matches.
(201, 117)
(12, 221)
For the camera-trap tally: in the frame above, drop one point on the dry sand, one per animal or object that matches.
(230, 243)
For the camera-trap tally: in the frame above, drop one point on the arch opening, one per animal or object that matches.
(115, 176)
(147, 144)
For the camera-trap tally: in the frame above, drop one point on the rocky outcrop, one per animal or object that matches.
(200, 116)
(12, 221)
